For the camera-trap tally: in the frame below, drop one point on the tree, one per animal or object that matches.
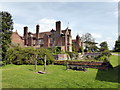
(7, 27)
(89, 41)
(117, 45)
(81, 50)
(104, 52)
(73, 47)
(103, 46)
(118, 37)
(87, 37)
(42, 52)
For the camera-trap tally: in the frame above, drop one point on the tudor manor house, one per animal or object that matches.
(58, 37)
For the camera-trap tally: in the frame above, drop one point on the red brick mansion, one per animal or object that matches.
(58, 37)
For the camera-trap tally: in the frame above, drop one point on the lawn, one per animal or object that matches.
(24, 76)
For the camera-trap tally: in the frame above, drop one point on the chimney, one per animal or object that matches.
(58, 27)
(37, 34)
(37, 31)
(30, 39)
(25, 35)
(78, 40)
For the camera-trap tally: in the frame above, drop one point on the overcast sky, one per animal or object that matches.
(98, 18)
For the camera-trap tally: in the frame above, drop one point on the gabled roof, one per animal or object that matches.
(17, 34)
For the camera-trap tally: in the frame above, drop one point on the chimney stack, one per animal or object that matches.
(25, 35)
(30, 39)
(58, 27)
(37, 34)
(37, 31)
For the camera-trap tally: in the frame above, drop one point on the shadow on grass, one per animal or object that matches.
(110, 75)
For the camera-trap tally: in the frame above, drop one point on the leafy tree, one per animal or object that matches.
(7, 27)
(118, 37)
(73, 47)
(103, 46)
(81, 50)
(117, 46)
(56, 50)
(42, 52)
(105, 53)
(87, 37)
(90, 45)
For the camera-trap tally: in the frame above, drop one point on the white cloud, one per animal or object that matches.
(116, 0)
(116, 14)
(113, 0)
(57, 0)
(96, 35)
(117, 34)
(110, 41)
(19, 28)
(46, 24)
(74, 34)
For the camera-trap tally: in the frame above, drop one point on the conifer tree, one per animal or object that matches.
(117, 45)
(6, 31)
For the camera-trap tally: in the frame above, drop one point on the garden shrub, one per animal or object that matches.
(27, 55)
(56, 50)
(40, 62)
(104, 56)
(42, 52)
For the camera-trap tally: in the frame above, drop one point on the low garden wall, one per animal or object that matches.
(87, 64)
(61, 57)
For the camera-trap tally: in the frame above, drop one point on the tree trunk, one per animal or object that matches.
(36, 63)
(45, 63)
(67, 66)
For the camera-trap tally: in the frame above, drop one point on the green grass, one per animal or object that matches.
(24, 76)
(114, 60)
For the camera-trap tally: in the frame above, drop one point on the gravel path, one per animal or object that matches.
(115, 54)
